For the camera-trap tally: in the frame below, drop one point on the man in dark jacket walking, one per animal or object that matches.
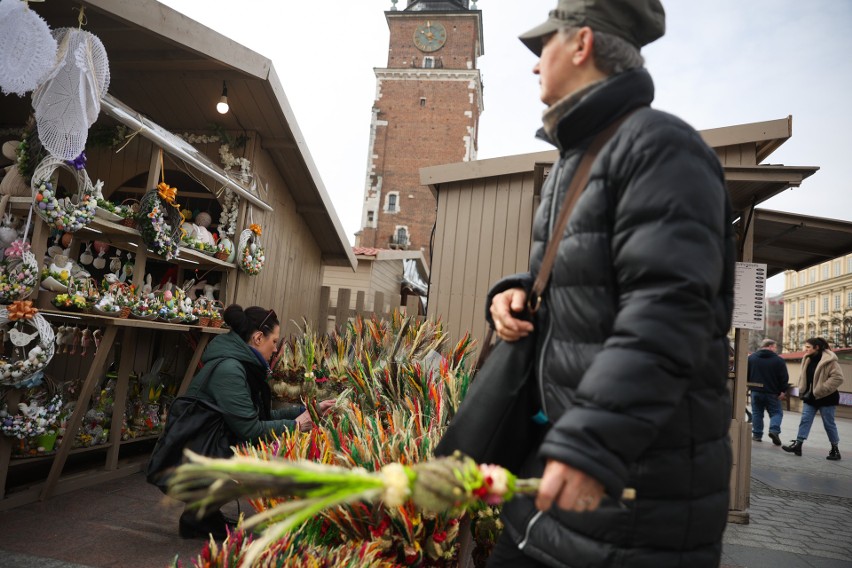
(631, 339)
(767, 379)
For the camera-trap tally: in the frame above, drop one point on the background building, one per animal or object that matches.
(426, 112)
(818, 302)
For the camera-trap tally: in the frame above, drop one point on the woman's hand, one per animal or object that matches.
(503, 307)
(326, 405)
(304, 422)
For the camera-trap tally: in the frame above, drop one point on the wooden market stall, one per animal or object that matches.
(167, 73)
(484, 231)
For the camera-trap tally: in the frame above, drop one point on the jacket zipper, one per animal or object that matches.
(533, 521)
(550, 222)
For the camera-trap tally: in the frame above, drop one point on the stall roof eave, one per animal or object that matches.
(752, 185)
(789, 241)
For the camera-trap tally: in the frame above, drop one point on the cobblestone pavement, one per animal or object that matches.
(801, 507)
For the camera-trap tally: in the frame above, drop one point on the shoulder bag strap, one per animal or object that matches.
(578, 183)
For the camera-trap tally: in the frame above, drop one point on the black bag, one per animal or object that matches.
(192, 424)
(500, 421)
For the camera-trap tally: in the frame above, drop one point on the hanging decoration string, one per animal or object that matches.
(81, 17)
(128, 139)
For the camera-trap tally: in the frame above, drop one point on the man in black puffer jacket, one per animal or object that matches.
(631, 334)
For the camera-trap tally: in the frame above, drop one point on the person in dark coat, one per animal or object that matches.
(767, 379)
(235, 378)
(631, 332)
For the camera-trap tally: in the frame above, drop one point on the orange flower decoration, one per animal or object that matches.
(166, 192)
(255, 228)
(22, 309)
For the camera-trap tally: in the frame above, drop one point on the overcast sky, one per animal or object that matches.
(720, 63)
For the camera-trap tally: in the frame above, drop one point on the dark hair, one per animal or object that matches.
(818, 342)
(245, 322)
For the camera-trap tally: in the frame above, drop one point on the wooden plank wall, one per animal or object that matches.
(387, 277)
(483, 232)
(115, 169)
(336, 277)
(291, 280)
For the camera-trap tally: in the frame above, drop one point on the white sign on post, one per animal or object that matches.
(749, 293)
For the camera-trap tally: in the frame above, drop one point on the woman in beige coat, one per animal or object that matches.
(819, 380)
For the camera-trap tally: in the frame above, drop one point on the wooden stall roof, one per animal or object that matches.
(171, 68)
(788, 241)
(747, 184)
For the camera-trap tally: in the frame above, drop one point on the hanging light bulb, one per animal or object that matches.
(222, 106)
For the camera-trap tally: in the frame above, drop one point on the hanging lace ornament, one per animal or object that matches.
(27, 50)
(68, 102)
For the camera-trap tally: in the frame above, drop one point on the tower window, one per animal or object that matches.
(370, 216)
(422, 102)
(399, 239)
(428, 62)
(392, 202)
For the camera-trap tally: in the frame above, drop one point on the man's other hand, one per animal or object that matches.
(503, 307)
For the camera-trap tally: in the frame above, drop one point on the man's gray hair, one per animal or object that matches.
(767, 343)
(613, 55)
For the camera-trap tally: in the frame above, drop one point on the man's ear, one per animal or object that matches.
(584, 41)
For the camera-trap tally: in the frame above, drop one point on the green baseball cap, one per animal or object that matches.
(638, 22)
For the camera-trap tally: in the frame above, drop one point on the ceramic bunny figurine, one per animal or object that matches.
(85, 341)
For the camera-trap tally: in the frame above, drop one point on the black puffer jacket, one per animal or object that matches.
(632, 340)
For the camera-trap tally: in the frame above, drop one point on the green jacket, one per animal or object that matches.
(228, 388)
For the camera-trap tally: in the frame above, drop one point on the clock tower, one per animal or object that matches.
(426, 113)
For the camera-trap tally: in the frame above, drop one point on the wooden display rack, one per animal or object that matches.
(117, 330)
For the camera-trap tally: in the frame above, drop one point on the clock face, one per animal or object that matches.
(430, 36)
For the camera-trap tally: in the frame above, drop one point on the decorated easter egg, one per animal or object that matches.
(101, 247)
(203, 219)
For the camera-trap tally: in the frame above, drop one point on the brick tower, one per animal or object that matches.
(426, 113)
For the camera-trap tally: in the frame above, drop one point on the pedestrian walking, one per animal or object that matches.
(819, 381)
(767, 378)
(631, 330)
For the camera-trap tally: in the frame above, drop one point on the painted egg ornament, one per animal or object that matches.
(203, 219)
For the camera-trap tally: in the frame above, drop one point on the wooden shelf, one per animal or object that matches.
(128, 322)
(130, 240)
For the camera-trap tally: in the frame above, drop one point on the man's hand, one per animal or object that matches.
(506, 325)
(569, 488)
(782, 396)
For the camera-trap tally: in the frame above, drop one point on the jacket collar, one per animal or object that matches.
(597, 107)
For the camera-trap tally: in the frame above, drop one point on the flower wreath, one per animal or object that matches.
(18, 277)
(15, 373)
(160, 221)
(63, 214)
(35, 419)
(250, 252)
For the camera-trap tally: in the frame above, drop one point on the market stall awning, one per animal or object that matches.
(789, 241)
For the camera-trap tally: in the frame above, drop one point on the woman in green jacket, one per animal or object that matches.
(237, 364)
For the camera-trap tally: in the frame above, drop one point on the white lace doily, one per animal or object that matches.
(27, 50)
(68, 102)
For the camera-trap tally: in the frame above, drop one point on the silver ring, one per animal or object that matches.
(585, 501)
